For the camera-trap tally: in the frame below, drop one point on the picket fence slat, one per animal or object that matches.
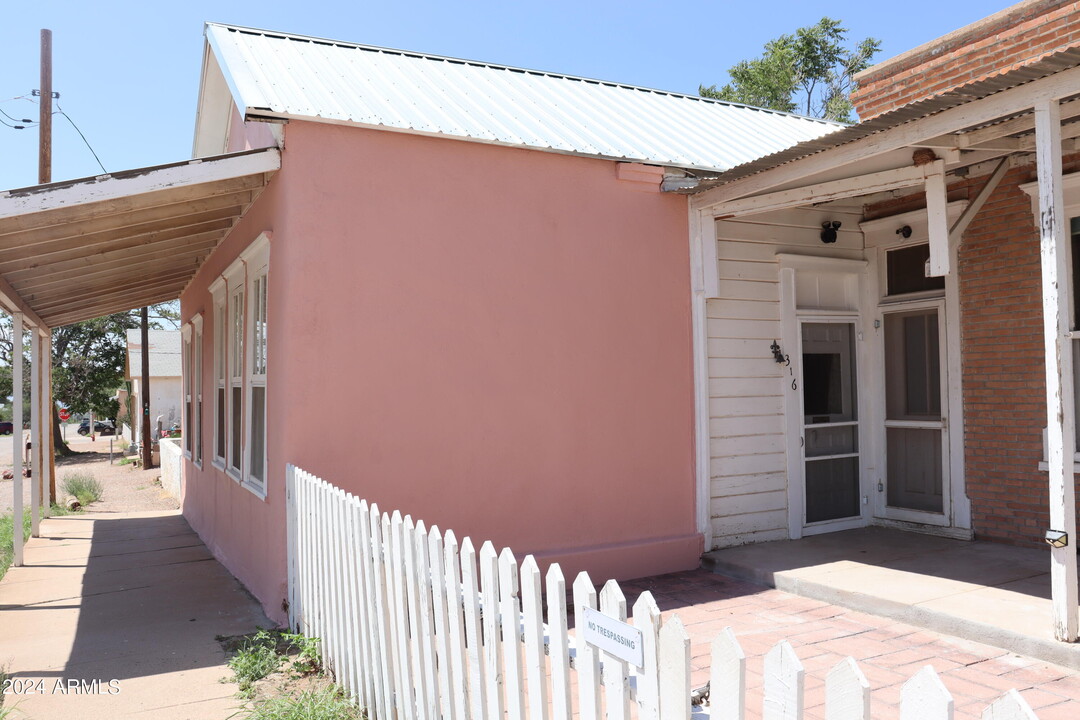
(924, 697)
(587, 661)
(847, 692)
(727, 679)
(1009, 706)
(559, 644)
(532, 611)
(455, 630)
(414, 626)
(674, 669)
(616, 684)
(473, 630)
(647, 619)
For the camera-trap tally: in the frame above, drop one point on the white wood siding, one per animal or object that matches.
(748, 461)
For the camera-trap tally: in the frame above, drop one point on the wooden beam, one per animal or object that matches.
(116, 302)
(103, 272)
(17, 434)
(121, 187)
(35, 434)
(956, 232)
(977, 112)
(139, 243)
(78, 234)
(1060, 400)
(937, 218)
(14, 303)
(826, 191)
(121, 305)
(78, 295)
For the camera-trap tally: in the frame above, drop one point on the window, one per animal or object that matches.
(185, 360)
(197, 391)
(256, 373)
(218, 291)
(905, 271)
(235, 375)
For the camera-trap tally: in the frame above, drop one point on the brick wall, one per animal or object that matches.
(1012, 38)
(1002, 358)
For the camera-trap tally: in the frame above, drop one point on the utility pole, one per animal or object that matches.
(147, 458)
(45, 176)
(45, 117)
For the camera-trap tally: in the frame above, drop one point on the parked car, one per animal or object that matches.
(101, 427)
(6, 428)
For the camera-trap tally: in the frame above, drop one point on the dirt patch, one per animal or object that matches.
(127, 488)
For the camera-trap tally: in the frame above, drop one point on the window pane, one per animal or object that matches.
(912, 366)
(258, 431)
(197, 437)
(220, 448)
(905, 269)
(237, 334)
(236, 409)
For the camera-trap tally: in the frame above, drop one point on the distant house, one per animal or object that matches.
(165, 380)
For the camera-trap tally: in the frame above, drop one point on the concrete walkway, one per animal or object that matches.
(988, 592)
(115, 615)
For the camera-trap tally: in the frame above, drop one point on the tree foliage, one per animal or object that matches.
(809, 72)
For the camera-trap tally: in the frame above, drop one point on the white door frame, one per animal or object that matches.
(791, 318)
(881, 421)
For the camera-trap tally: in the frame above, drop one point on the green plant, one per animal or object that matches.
(126, 461)
(83, 486)
(329, 703)
(7, 539)
(255, 658)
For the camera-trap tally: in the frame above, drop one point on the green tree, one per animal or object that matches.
(809, 72)
(87, 361)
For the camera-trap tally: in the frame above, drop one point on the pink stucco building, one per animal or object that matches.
(467, 299)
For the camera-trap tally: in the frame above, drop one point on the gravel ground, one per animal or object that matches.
(126, 488)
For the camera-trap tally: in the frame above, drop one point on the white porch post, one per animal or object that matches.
(46, 423)
(1060, 401)
(16, 433)
(702, 281)
(35, 433)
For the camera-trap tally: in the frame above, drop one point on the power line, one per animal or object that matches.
(60, 110)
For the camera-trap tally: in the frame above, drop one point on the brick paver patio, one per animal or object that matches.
(888, 652)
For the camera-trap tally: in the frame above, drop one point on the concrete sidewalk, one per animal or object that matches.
(115, 614)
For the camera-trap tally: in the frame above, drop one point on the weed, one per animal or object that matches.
(258, 655)
(7, 539)
(83, 486)
(327, 704)
(126, 461)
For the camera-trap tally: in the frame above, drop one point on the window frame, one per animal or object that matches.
(186, 410)
(197, 389)
(256, 259)
(234, 362)
(217, 291)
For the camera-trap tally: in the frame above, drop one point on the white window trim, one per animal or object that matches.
(185, 389)
(234, 282)
(197, 390)
(257, 260)
(217, 291)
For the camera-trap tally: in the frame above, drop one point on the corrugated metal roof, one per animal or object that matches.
(274, 74)
(906, 113)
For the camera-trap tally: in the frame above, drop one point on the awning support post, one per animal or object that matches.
(17, 434)
(35, 434)
(1060, 400)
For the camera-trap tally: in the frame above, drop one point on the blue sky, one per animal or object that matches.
(128, 72)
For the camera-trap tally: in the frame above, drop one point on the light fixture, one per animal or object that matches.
(828, 231)
(1057, 538)
(904, 232)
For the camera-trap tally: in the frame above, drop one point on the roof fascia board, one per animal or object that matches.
(833, 190)
(977, 112)
(108, 187)
(212, 29)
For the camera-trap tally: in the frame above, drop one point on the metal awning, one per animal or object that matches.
(79, 249)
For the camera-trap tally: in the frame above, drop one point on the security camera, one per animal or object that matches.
(828, 231)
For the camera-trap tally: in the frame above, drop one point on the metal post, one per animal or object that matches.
(17, 432)
(147, 458)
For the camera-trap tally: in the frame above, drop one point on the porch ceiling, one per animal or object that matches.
(75, 250)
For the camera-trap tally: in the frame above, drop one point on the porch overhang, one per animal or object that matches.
(75, 250)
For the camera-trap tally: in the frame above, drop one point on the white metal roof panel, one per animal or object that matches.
(274, 74)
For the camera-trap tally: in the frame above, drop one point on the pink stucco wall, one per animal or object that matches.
(495, 340)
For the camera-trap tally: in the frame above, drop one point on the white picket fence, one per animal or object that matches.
(417, 626)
